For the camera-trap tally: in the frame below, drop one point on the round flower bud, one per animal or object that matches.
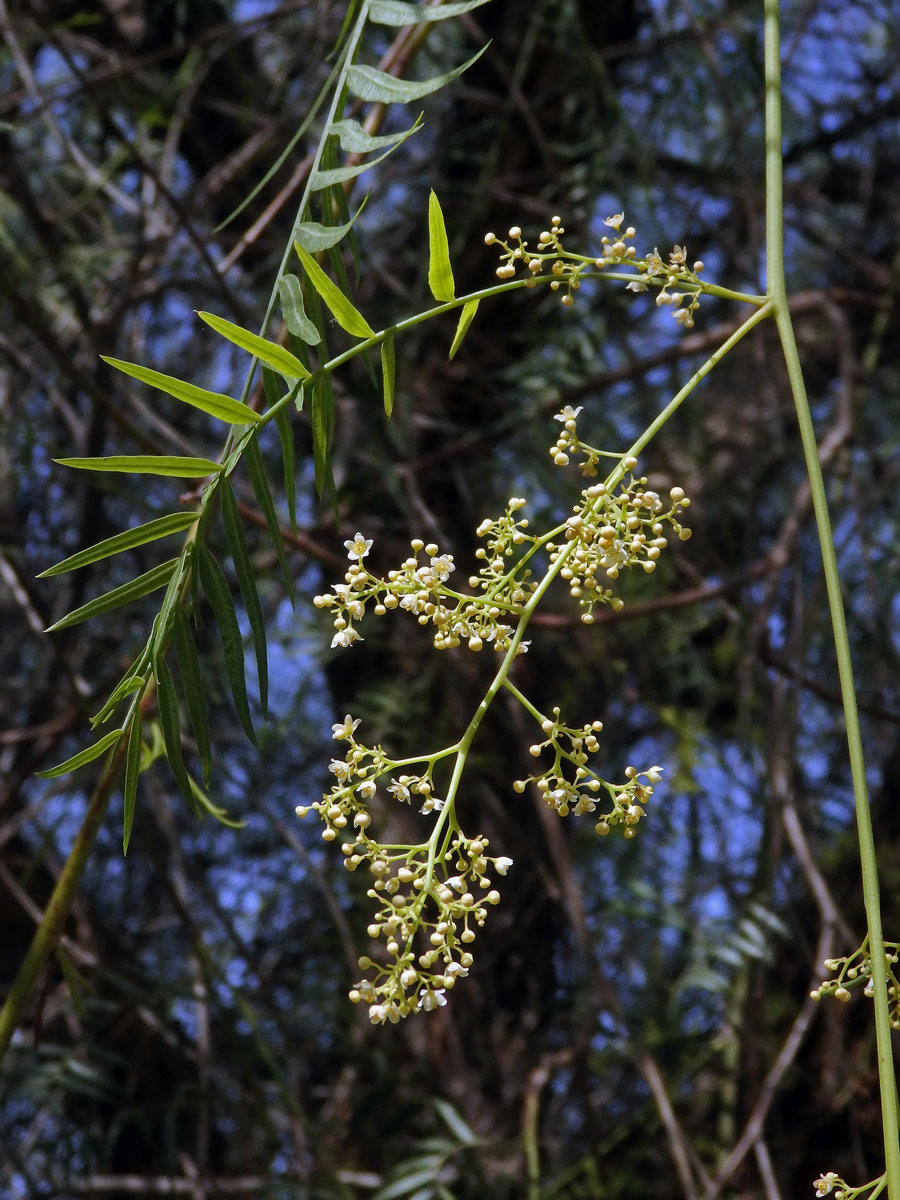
(489, 239)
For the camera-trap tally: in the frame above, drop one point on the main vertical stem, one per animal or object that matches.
(777, 291)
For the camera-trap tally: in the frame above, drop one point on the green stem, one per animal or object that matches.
(778, 294)
(50, 930)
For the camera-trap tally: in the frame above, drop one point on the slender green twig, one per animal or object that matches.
(777, 291)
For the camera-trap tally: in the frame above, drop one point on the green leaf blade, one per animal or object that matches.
(83, 756)
(243, 569)
(170, 723)
(343, 311)
(392, 12)
(470, 308)
(293, 310)
(388, 373)
(270, 353)
(132, 774)
(367, 83)
(139, 536)
(440, 273)
(223, 408)
(257, 472)
(192, 682)
(150, 581)
(218, 593)
(146, 464)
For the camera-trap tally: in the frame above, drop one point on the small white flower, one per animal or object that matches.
(367, 790)
(342, 770)
(654, 775)
(636, 285)
(441, 567)
(359, 547)
(346, 637)
(344, 729)
(399, 791)
(615, 222)
(432, 1000)
(502, 865)
(568, 413)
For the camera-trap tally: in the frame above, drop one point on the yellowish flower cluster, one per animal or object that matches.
(854, 971)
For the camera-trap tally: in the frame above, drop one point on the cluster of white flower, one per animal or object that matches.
(568, 268)
(578, 791)
(855, 971)
(612, 530)
(422, 589)
(425, 925)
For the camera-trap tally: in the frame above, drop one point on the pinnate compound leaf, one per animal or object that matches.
(224, 408)
(146, 464)
(170, 722)
(150, 581)
(161, 527)
(132, 774)
(367, 83)
(470, 308)
(388, 373)
(257, 472)
(218, 593)
(243, 569)
(392, 12)
(290, 293)
(191, 680)
(83, 756)
(440, 273)
(348, 317)
(267, 352)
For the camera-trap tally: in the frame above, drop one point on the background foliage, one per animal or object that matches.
(641, 1005)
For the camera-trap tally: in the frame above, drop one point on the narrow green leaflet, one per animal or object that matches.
(189, 666)
(315, 237)
(170, 722)
(270, 353)
(83, 756)
(224, 408)
(392, 12)
(173, 523)
(388, 373)
(470, 308)
(150, 581)
(243, 569)
(298, 323)
(218, 593)
(367, 83)
(343, 311)
(320, 403)
(355, 140)
(286, 438)
(146, 464)
(257, 472)
(324, 179)
(132, 774)
(440, 273)
(130, 682)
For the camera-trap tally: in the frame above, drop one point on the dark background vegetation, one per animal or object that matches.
(644, 1003)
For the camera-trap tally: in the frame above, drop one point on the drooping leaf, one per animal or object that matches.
(161, 527)
(130, 682)
(292, 309)
(132, 774)
(343, 311)
(224, 408)
(320, 405)
(150, 581)
(470, 308)
(336, 175)
(192, 682)
(388, 373)
(367, 83)
(83, 756)
(286, 438)
(440, 273)
(315, 237)
(146, 464)
(267, 352)
(170, 723)
(243, 569)
(257, 472)
(214, 810)
(392, 12)
(460, 1128)
(219, 595)
(355, 140)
